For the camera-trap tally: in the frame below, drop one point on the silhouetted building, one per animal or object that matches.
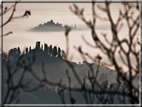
(26, 50)
(37, 45)
(41, 47)
(59, 52)
(19, 52)
(54, 51)
(45, 48)
(50, 50)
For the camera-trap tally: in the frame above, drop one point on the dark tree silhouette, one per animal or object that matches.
(12, 92)
(116, 43)
(12, 17)
(124, 81)
(13, 88)
(105, 94)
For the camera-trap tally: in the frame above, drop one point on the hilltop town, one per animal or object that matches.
(40, 51)
(48, 54)
(52, 26)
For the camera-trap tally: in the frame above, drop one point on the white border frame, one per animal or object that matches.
(140, 56)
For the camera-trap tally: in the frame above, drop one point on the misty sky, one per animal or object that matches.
(58, 12)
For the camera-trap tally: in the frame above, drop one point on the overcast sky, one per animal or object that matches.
(59, 12)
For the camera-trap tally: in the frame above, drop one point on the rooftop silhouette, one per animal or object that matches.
(40, 51)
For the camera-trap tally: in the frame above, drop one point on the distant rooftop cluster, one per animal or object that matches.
(51, 26)
(47, 51)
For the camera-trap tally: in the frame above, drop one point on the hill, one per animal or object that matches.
(55, 68)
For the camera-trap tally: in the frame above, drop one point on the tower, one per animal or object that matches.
(45, 47)
(19, 52)
(26, 50)
(59, 52)
(50, 50)
(38, 45)
(54, 51)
